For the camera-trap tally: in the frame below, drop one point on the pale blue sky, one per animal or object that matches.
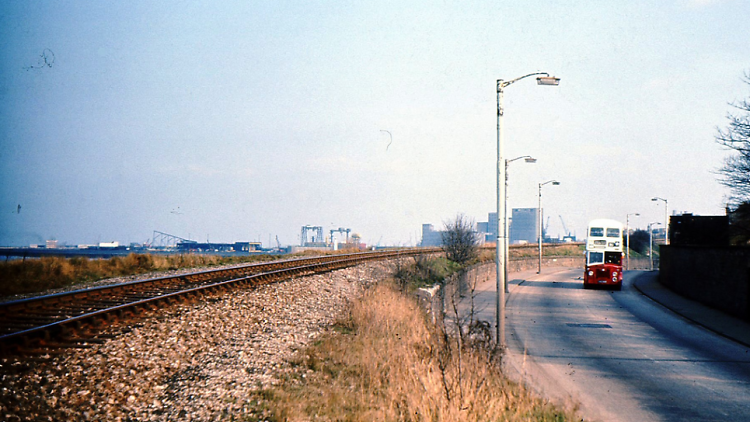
(245, 120)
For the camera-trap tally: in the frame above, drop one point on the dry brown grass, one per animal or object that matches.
(38, 275)
(388, 362)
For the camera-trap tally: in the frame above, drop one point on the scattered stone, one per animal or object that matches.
(192, 362)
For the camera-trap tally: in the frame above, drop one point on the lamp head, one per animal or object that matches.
(530, 160)
(554, 182)
(548, 80)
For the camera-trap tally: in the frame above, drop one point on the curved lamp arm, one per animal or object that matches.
(502, 84)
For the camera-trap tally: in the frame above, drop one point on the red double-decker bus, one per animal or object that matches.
(604, 255)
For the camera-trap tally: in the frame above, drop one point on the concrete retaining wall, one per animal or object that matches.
(434, 298)
(523, 264)
(642, 263)
(715, 276)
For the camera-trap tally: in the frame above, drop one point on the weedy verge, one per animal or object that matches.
(386, 361)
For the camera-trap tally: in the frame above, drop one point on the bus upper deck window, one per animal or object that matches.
(613, 232)
(596, 232)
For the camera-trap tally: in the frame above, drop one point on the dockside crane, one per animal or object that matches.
(341, 230)
(565, 228)
(568, 237)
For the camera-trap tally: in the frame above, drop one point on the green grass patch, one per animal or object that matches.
(423, 271)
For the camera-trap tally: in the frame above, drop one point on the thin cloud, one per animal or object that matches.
(699, 4)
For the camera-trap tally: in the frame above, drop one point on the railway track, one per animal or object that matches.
(77, 318)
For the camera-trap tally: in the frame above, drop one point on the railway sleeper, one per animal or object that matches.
(84, 309)
(39, 351)
(11, 329)
(21, 320)
(62, 344)
(107, 303)
(136, 298)
(125, 313)
(48, 313)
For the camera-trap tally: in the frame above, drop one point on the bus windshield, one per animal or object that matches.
(596, 258)
(613, 258)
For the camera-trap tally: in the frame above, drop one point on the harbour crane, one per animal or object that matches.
(341, 230)
(565, 228)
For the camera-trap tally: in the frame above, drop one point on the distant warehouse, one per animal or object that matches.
(248, 247)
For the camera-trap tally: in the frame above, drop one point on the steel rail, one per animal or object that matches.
(196, 277)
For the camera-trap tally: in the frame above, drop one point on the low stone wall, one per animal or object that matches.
(434, 298)
(715, 276)
(523, 264)
(474, 276)
(643, 263)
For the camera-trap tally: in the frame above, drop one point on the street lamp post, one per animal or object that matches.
(528, 159)
(627, 231)
(543, 79)
(666, 219)
(541, 226)
(651, 244)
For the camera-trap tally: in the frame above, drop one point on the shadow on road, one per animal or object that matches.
(553, 284)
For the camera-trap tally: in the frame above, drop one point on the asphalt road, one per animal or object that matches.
(618, 356)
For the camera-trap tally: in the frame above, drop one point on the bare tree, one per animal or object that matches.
(460, 240)
(735, 173)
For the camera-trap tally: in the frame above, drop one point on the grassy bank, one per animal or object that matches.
(526, 251)
(37, 275)
(387, 361)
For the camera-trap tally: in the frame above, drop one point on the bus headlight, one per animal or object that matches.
(591, 273)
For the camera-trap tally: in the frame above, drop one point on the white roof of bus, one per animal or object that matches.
(604, 222)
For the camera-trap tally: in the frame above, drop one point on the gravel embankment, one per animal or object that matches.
(193, 362)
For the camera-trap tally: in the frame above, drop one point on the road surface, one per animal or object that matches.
(619, 356)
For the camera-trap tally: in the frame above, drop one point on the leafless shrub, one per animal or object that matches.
(460, 240)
